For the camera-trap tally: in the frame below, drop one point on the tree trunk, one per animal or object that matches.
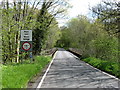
(18, 46)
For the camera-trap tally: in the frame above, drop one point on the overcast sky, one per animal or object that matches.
(80, 7)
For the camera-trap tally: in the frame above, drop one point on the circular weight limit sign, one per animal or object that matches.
(26, 46)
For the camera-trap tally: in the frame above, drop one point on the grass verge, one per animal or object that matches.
(0, 76)
(18, 75)
(107, 66)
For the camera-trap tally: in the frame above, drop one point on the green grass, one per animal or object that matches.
(107, 66)
(18, 75)
(0, 77)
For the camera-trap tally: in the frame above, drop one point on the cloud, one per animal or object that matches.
(81, 7)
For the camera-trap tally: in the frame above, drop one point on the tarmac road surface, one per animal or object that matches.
(67, 71)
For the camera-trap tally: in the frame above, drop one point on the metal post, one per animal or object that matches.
(31, 57)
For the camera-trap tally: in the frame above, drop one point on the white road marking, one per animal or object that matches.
(96, 68)
(39, 85)
(41, 82)
(104, 72)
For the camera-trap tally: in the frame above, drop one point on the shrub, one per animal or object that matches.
(107, 66)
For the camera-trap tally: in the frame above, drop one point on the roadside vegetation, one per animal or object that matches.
(18, 75)
(0, 76)
(36, 15)
(104, 65)
(98, 38)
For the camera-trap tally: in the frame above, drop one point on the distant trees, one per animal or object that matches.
(98, 38)
(90, 38)
(52, 36)
(64, 41)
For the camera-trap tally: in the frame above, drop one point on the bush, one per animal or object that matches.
(106, 48)
(107, 66)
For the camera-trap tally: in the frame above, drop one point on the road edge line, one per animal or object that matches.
(104, 72)
(39, 85)
(96, 68)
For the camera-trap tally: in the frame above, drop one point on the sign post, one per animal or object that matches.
(26, 41)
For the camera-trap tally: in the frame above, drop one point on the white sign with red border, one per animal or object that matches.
(26, 46)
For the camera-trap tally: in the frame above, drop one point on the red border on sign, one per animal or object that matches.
(28, 48)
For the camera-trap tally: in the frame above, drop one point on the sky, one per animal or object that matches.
(79, 7)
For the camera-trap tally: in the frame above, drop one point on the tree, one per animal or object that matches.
(64, 40)
(46, 16)
(15, 16)
(39, 17)
(90, 39)
(53, 35)
(108, 13)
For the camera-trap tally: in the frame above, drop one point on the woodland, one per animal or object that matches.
(98, 37)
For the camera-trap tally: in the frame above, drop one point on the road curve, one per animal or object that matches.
(67, 71)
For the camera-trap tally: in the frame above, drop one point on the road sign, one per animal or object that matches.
(26, 35)
(26, 46)
(26, 40)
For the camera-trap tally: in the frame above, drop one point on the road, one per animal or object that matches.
(67, 71)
